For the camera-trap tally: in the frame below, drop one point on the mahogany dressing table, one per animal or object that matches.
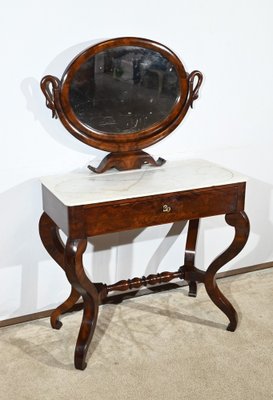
(123, 95)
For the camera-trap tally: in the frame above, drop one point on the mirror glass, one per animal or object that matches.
(124, 90)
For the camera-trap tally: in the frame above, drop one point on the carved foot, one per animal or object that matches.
(66, 306)
(55, 322)
(241, 224)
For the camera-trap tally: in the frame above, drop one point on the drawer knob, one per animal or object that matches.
(166, 208)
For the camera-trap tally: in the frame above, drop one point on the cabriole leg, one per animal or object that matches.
(241, 224)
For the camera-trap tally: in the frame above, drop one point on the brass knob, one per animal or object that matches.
(166, 208)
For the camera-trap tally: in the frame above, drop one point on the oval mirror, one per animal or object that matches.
(125, 89)
(122, 95)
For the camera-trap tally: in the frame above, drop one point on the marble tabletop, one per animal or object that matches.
(85, 187)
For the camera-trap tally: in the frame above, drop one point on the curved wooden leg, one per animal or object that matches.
(241, 224)
(78, 279)
(49, 233)
(189, 259)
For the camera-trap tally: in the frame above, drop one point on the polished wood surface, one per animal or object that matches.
(126, 160)
(80, 222)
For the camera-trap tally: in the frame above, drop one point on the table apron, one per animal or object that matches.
(156, 210)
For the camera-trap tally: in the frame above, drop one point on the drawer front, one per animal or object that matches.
(160, 209)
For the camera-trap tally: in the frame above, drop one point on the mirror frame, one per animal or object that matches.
(57, 99)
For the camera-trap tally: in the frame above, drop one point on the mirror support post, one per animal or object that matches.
(126, 161)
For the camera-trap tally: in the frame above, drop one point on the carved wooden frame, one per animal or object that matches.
(126, 149)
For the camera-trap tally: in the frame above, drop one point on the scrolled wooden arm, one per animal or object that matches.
(50, 87)
(194, 88)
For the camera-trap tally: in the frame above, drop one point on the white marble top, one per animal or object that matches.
(85, 187)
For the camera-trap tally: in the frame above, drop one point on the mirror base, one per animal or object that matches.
(126, 160)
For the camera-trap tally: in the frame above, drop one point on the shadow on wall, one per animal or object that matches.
(20, 247)
(148, 247)
(36, 103)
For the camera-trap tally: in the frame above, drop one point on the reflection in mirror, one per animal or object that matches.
(124, 90)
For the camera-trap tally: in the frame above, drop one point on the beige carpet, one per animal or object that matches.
(161, 346)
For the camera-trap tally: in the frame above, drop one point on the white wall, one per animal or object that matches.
(232, 124)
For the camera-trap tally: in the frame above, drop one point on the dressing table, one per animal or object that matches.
(123, 95)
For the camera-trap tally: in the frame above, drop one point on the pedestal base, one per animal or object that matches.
(126, 161)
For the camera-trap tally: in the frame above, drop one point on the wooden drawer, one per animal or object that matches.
(161, 209)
